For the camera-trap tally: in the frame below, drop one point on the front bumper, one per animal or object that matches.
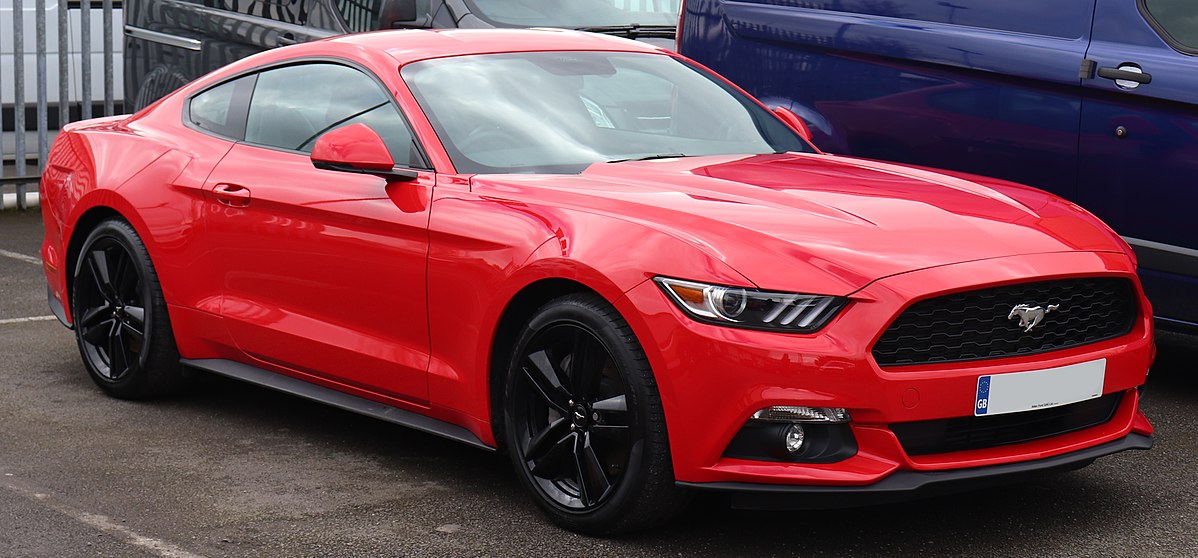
(904, 485)
(712, 378)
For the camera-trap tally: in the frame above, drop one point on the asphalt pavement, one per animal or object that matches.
(234, 470)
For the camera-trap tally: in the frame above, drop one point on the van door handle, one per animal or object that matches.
(1130, 74)
(287, 39)
(232, 195)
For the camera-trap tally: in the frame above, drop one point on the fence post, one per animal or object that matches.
(42, 105)
(18, 106)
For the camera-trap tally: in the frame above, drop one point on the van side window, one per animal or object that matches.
(359, 15)
(222, 109)
(286, 11)
(292, 106)
(1177, 20)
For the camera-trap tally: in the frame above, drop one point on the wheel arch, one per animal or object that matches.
(516, 313)
(82, 227)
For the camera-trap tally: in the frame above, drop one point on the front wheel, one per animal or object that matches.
(121, 324)
(583, 422)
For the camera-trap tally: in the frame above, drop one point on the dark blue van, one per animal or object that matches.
(1094, 100)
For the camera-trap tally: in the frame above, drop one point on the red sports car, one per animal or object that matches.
(601, 257)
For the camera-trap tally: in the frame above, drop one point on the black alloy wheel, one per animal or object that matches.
(583, 421)
(121, 326)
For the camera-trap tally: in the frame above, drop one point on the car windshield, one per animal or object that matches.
(576, 13)
(560, 112)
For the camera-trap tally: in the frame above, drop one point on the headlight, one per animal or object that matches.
(751, 308)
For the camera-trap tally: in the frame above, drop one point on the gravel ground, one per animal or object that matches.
(234, 470)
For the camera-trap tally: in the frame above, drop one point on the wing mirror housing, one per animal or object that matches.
(357, 149)
(395, 14)
(791, 119)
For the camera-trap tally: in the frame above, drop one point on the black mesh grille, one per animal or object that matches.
(966, 433)
(974, 325)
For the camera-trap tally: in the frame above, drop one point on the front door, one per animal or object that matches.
(323, 272)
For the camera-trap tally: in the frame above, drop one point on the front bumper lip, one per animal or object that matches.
(904, 485)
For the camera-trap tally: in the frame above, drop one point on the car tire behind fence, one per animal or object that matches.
(583, 422)
(121, 322)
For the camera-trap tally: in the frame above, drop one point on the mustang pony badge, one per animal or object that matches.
(1030, 316)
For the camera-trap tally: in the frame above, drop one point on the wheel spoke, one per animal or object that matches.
(93, 316)
(98, 332)
(124, 279)
(136, 315)
(546, 381)
(544, 441)
(117, 359)
(594, 480)
(580, 476)
(134, 332)
(549, 465)
(617, 404)
(97, 261)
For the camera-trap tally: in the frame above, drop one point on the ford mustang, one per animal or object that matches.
(605, 260)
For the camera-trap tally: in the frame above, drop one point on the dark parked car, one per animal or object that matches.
(169, 43)
(1093, 101)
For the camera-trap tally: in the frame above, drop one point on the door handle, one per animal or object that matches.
(232, 195)
(287, 39)
(1127, 76)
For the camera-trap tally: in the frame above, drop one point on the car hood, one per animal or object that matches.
(810, 222)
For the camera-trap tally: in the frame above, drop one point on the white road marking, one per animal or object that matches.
(104, 523)
(30, 319)
(22, 257)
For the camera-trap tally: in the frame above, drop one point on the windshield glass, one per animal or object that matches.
(559, 112)
(576, 13)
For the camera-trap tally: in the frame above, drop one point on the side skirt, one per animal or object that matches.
(345, 401)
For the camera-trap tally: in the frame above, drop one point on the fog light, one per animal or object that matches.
(788, 413)
(794, 437)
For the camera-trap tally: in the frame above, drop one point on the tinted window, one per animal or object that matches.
(1176, 18)
(221, 110)
(295, 105)
(576, 13)
(547, 112)
(288, 11)
(359, 15)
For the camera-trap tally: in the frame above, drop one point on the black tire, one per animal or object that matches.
(121, 322)
(588, 440)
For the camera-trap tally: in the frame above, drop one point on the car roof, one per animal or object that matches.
(409, 45)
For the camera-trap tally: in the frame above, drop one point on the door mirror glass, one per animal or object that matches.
(358, 149)
(791, 119)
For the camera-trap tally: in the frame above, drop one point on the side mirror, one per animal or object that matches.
(791, 119)
(357, 149)
(401, 13)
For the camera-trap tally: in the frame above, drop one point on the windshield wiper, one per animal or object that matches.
(651, 157)
(634, 30)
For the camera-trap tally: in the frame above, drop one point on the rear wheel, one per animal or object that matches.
(121, 324)
(583, 421)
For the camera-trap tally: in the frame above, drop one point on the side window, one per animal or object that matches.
(294, 105)
(222, 109)
(1177, 20)
(287, 11)
(363, 15)
(359, 15)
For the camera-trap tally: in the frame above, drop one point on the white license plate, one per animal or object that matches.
(1039, 389)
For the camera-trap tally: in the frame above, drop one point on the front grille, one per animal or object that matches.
(966, 433)
(974, 325)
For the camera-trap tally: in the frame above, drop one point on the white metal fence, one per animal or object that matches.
(59, 62)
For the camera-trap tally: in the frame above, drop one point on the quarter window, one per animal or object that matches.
(1177, 20)
(294, 105)
(221, 110)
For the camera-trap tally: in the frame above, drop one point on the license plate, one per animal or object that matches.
(1039, 389)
